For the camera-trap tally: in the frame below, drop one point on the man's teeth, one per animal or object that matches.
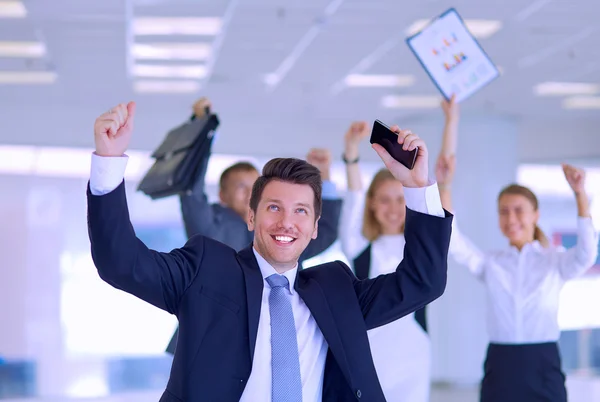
(284, 239)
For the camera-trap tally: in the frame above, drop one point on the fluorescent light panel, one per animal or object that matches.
(566, 88)
(75, 162)
(12, 9)
(171, 51)
(582, 102)
(372, 80)
(208, 26)
(27, 77)
(22, 49)
(165, 86)
(169, 71)
(481, 29)
(410, 102)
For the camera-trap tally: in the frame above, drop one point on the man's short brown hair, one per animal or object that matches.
(236, 167)
(289, 170)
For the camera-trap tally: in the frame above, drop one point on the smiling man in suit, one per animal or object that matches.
(252, 326)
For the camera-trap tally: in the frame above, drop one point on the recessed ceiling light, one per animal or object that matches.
(177, 26)
(582, 102)
(168, 71)
(152, 86)
(27, 77)
(22, 49)
(481, 29)
(12, 9)
(410, 101)
(171, 51)
(565, 88)
(372, 80)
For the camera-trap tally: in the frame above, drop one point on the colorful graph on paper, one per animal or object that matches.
(452, 58)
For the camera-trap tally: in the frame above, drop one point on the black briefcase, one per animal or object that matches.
(179, 157)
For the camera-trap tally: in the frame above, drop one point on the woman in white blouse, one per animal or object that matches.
(371, 235)
(523, 282)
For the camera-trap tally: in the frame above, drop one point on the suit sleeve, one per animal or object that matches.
(328, 224)
(421, 276)
(199, 216)
(124, 262)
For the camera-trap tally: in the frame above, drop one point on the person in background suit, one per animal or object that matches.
(226, 221)
(523, 281)
(254, 327)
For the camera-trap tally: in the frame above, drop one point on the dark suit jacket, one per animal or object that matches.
(215, 292)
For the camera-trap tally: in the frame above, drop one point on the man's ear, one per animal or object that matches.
(314, 235)
(250, 220)
(222, 197)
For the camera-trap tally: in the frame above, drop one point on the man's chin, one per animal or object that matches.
(284, 260)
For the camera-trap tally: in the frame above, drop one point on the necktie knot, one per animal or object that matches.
(278, 281)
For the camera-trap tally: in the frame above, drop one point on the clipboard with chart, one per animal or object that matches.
(452, 57)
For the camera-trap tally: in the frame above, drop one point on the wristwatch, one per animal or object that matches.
(347, 162)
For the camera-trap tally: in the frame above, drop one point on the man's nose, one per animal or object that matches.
(286, 221)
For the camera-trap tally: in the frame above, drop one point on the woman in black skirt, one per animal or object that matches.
(523, 282)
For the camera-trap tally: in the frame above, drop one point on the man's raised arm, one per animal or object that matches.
(121, 258)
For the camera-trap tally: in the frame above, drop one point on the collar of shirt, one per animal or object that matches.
(534, 246)
(267, 270)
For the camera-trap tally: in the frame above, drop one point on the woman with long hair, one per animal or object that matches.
(372, 238)
(523, 280)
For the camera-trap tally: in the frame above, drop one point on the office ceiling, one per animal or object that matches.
(276, 69)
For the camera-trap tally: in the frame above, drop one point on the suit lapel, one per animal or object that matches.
(254, 289)
(312, 294)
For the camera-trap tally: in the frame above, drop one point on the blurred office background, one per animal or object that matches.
(283, 76)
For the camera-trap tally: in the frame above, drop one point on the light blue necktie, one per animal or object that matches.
(285, 364)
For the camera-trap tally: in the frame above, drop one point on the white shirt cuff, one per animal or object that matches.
(107, 173)
(425, 200)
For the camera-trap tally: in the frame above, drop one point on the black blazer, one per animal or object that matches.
(215, 292)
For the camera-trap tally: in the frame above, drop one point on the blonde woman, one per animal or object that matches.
(523, 281)
(371, 236)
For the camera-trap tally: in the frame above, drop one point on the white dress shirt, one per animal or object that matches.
(312, 347)
(106, 175)
(523, 287)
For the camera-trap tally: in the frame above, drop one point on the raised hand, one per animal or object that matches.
(200, 107)
(451, 108)
(320, 158)
(575, 177)
(355, 134)
(419, 175)
(444, 169)
(112, 130)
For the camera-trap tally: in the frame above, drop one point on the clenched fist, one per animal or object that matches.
(444, 169)
(321, 159)
(200, 107)
(112, 130)
(575, 177)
